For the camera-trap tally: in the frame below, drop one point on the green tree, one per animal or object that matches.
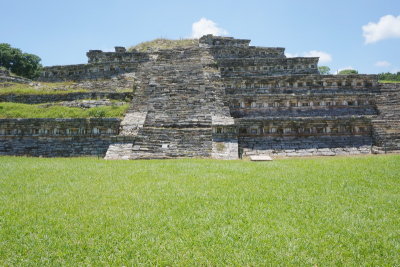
(346, 72)
(389, 76)
(324, 70)
(19, 63)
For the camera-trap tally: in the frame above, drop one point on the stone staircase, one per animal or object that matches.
(164, 143)
(386, 135)
(178, 93)
(386, 127)
(121, 147)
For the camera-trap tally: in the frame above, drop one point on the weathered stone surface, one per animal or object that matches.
(260, 158)
(386, 127)
(57, 137)
(6, 77)
(85, 103)
(225, 149)
(119, 151)
(177, 100)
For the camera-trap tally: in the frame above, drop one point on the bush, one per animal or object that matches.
(324, 70)
(97, 113)
(347, 72)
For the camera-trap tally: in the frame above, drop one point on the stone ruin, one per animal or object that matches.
(6, 77)
(225, 99)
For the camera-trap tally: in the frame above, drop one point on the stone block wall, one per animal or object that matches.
(305, 136)
(101, 65)
(302, 84)
(315, 126)
(152, 143)
(209, 40)
(225, 143)
(302, 96)
(302, 106)
(57, 137)
(234, 57)
(180, 93)
(90, 71)
(6, 77)
(386, 127)
(221, 52)
(227, 149)
(238, 67)
(120, 55)
(306, 146)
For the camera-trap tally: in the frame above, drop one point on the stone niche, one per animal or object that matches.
(57, 137)
(305, 136)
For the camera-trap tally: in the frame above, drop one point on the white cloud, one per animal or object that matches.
(387, 27)
(291, 55)
(383, 64)
(205, 26)
(323, 56)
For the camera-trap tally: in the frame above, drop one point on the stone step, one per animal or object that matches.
(119, 151)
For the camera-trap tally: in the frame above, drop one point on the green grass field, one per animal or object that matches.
(300, 212)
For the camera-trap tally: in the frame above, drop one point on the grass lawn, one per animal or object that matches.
(384, 81)
(300, 212)
(46, 88)
(18, 110)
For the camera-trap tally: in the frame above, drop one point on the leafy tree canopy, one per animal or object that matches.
(349, 71)
(19, 63)
(389, 76)
(324, 70)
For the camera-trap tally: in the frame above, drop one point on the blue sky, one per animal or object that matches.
(62, 31)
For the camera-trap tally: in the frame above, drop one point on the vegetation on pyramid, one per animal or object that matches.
(162, 43)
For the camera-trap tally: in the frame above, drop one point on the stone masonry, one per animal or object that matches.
(57, 137)
(226, 99)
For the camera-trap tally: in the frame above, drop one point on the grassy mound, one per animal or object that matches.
(17, 110)
(341, 211)
(162, 43)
